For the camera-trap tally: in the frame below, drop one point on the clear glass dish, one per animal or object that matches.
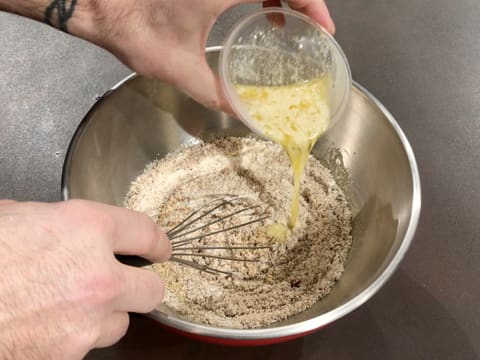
(276, 47)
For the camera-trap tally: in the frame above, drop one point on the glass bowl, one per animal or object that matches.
(276, 47)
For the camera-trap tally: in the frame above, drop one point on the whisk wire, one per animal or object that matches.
(185, 223)
(176, 243)
(204, 268)
(217, 257)
(179, 232)
(210, 214)
(222, 247)
(222, 199)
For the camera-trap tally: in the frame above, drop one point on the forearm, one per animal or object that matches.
(33, 9)
(165, 39)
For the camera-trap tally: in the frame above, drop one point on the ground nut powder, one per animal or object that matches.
(293, 274)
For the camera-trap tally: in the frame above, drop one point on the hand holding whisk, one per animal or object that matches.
(221, 213)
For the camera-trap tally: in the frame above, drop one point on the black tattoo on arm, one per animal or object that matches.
(62, 10)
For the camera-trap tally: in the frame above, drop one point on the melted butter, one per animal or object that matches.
(293, 116)
(278, 231)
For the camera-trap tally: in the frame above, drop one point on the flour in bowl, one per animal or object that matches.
(293, 273)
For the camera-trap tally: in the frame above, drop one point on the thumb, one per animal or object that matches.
(199, 81)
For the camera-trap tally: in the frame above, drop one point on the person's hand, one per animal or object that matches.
(62, 292)
(166, 39)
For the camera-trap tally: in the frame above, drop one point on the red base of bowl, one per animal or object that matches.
(238, 342)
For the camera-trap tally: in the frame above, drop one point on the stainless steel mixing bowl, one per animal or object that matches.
(141, 119)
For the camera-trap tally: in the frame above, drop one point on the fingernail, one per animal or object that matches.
(331, 28)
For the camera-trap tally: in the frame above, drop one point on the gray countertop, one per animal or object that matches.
(419, 58)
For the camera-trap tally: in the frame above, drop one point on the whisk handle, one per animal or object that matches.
(131, 260)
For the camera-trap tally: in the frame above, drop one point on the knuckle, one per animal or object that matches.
(150, 288)
(100, 288)
(105, 224)
(161, 291)
(157, 291)
(123, 323)
(84, 341)
(89, 216)
(73, 210)
(150, 234)
(75, 205)
(115, 327)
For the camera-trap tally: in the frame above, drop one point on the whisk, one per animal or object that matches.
(208, 220)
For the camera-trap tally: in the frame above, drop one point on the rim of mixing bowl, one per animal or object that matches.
(302, 327)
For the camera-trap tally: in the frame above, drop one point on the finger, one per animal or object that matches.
(142, 290)
(199, 82)
(129, 232)
(272, 3)
(139, 235)
(317, 10)
(277, 19)
(113, 329)
(7, 202)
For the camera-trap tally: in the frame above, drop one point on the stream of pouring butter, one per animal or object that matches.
(294, 116)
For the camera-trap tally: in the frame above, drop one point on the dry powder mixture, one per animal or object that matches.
(292, 274)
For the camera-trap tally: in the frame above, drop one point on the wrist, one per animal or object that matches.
(93, 20)
(73, 16)
(83, 20)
